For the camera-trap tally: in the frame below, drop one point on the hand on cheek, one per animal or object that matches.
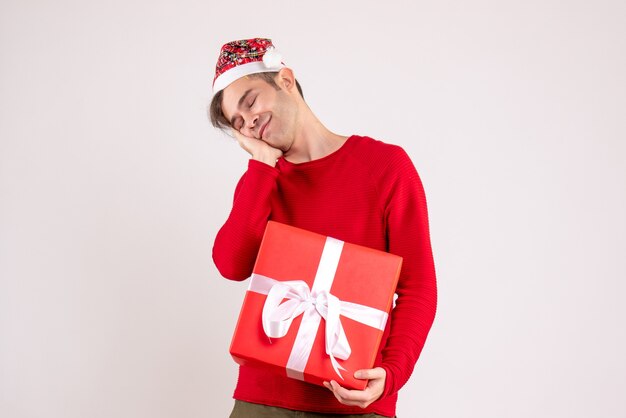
(258, 149)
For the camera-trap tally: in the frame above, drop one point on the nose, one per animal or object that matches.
(251, 121)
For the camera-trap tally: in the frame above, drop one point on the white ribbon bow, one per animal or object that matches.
(277, 317)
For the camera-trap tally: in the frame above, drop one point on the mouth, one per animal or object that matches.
(262, 130)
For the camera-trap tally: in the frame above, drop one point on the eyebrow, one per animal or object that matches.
(241, 100)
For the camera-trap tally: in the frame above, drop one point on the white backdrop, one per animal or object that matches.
(113, 186)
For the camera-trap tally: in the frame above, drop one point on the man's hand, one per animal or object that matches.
(258, 149)
(361, 398)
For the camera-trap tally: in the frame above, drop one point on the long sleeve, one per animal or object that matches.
(237, 242)
(408, 236)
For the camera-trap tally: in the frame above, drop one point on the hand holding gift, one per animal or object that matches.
(361, 398)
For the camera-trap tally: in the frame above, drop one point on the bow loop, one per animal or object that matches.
(277, 315)
(290, 299)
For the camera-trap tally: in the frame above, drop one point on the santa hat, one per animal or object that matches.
(241, 58)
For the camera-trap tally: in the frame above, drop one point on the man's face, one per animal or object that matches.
(257, 109)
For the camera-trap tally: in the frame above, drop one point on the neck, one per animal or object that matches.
(312, 140)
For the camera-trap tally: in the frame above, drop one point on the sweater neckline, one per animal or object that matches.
(284, 164)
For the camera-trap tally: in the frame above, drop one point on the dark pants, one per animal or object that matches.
(252, 410)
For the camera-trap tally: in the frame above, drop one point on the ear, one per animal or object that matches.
(285, 79)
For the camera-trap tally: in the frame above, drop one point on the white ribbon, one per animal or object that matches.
(313, 304)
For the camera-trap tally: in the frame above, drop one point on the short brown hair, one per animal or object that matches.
(216, 115)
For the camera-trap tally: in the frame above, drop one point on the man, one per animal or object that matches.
(352, 188)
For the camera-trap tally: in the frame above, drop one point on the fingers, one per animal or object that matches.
(360, 398)
(251, 145)
(244, 141)
(258, 149)
(376, 373)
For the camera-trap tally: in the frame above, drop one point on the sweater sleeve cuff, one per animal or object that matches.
(262, 168)
(388, 390)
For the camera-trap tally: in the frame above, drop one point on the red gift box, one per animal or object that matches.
(316, 307)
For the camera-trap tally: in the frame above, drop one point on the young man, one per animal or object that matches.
(354, 188)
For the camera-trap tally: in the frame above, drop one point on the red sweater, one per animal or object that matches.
(366, 193)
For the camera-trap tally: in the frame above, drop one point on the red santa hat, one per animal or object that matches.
(244, 57)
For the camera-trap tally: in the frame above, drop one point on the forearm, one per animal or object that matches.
(238, 241)
(411, 321)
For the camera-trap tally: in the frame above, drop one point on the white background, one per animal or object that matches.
(113, 185)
